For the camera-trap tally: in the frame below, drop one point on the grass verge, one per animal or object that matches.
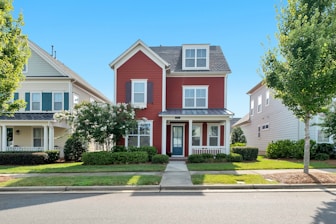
(83, 181)
(199, 179)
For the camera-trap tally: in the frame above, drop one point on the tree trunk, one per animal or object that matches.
(306, 157)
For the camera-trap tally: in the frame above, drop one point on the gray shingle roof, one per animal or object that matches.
(196, 112)
(30, 117)
(173, 55)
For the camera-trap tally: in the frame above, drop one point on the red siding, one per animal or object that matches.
(142, 67)
(215, 92)
(222, 135)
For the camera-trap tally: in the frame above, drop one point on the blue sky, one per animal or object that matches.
(87, 35)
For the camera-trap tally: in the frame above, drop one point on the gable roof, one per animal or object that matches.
(173, 55)
(65, 71)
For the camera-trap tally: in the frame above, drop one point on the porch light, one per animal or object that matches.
(17, 131)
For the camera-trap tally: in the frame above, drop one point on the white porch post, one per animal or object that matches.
(227, 136)
(164, 136)
(45, 137)
(51, 138)
(190, 137)
(4, 138)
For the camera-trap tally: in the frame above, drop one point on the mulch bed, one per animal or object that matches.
(303, 178)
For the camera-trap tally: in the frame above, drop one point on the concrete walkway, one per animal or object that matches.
(176, 174)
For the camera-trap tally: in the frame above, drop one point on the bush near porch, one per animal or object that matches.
(28, 158)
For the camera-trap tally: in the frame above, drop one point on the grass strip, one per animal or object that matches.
(83, 181)
(199, 179)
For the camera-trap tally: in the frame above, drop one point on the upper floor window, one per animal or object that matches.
(36, 101)
(267, 98)
(252, 108)
(75, 99)
(259, 104)
(195, 97)
(92, 100)
(195, 57)
(139, 93)
(58, 101)
(25, 68)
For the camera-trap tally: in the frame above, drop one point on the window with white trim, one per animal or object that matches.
(196, 135)
(37, 137)
(140, 135)
(265, 127)
(195, 57)
(195, 96)
(213, 135)
(267, 98)
(25, 68)
(36, 101)
(75, 99)
(259, 104)
(139, 93)
(58, 101)
(252, 108)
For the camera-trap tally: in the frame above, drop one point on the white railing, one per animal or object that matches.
(208, 149)
(26, 149)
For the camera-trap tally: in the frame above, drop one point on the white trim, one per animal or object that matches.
(183, 141)
(150, 134)
(31, 101)
(267, 98)
(218, 135)
(25, 68)
(252, 107)
(53, 100)
(142, 104)
(195, 87)
(259, 105)
(201, 133)
(195, 47)
(164, 136)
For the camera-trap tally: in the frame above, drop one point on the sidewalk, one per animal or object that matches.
(175, 177)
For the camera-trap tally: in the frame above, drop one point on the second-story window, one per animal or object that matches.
(58, 101)
(195, 97)
(195, 57)
(252, 108)
(267, 98)
(36, 101)
(259, 104)
(139, 93)
(75, 99)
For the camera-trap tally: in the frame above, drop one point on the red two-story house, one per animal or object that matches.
(180, 93)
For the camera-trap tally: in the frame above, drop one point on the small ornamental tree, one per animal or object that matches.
(302, 70)
(14, 54)
(100, 122)
(237, 136)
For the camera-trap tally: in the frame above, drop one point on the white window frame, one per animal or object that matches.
(92, 100)
(25, 68)
(209, 134)
(201, 134)
(252, 108)
(267, 99)
(150, 122)
(259, 107)
(42, 137)
(265, 127)
(139, 104)
(195, 98)
(31, 101)
(53, 101)
(75, 99)
(195, 47)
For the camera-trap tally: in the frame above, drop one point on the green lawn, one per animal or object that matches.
(199, 179)
(261, 164)
(84, 181)
(80, 168)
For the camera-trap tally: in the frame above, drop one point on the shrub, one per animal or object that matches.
(196, 158)
(220, 157)
(151, 151)
(248, 153)
(53, 155)
(119, 148)
(97, 158)
(325, 148)
(322, 156)
(234, 157)
(208, 156)
(288, 149)
(23, 158)
(129, 157)
(160, 159)
(74, 147)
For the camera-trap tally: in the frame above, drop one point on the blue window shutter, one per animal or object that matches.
(16, 96)
(27, 99)
(47, 101)
(150, 92)
(66, 101)
(128, 94)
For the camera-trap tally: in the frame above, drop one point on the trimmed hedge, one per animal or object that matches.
(160, 159)
(248, 153)
(234, 157)
(53, 155)
(23, 158)
(151, 151)
(108, 158)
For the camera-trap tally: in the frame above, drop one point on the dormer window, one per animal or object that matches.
(195, 57)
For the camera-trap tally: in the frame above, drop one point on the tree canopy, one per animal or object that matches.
(302, 69)
(14, 54)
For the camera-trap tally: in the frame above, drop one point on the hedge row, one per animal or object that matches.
(209, 158)
(108, 158)
(248, 153)
(28, 158)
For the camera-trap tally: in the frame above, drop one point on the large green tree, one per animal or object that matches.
(14, 54)
(329, 121)
(302, 68)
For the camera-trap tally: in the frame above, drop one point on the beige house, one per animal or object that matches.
(270, 120)
(49, 87)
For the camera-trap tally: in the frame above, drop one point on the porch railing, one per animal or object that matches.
(26, 149)
(208, 149)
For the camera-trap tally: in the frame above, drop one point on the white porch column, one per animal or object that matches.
(51, 138)
(227, 136)
(45, 137)
(4, 138)
(164, 136)
(190, 137)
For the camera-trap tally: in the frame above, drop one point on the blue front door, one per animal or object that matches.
(177, 141)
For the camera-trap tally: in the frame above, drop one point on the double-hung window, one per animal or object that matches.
(195, 57)
(252, 108)
(213, 135)
(139, 93)
(196, 135)
(267, 100)
(58, 101)
(36, 101)
(38, 137)
(195, 96)
(141, 135)
(259, 108)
